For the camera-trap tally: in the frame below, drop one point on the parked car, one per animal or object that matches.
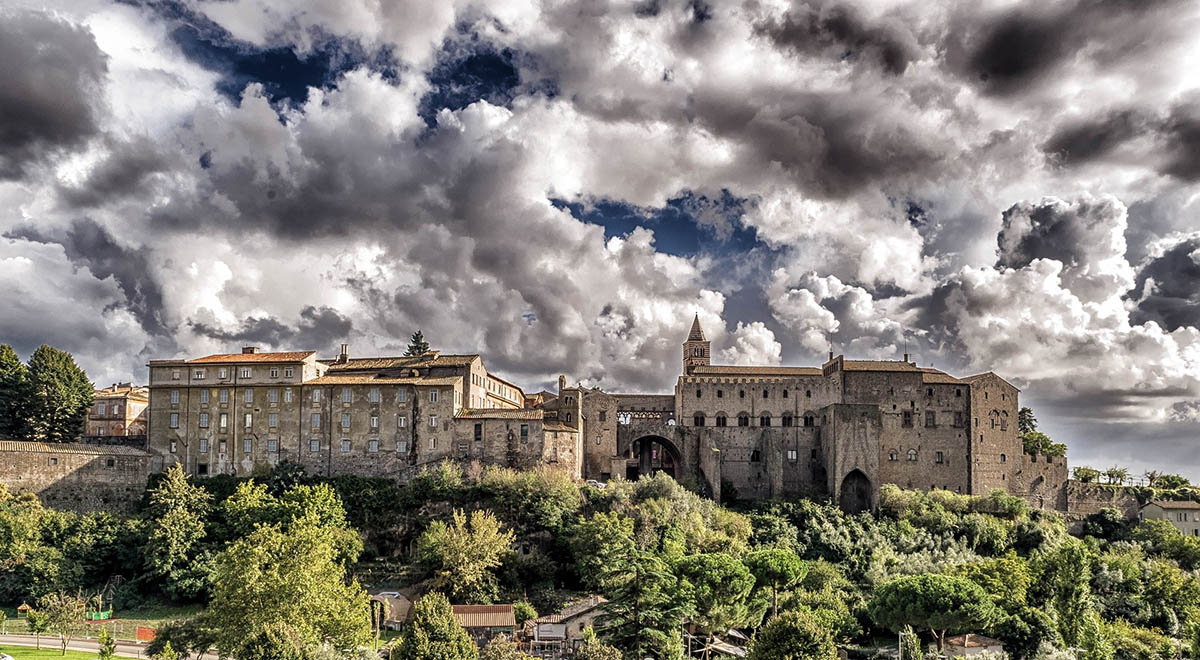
(595, 484)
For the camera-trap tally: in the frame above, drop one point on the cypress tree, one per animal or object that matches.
(62, 395)
(15, 395)
(417, 345)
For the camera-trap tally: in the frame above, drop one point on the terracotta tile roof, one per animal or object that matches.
(934, 376)
(574, 609)
(69, 448)
(1176, 504)
(132, 392)
(367, 379)
(357, 364)
(971, 379)
(485, 616)
(740, 370)
(556, 426)
(972, 641)
(238, 358)
(501, 413)
(878, 365)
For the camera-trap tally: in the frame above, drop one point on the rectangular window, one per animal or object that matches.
(316, 396)
(930, 419)
(374, 423)
(958, 420)
(287, 372)
(53, 461)
(287, 395)
(249, 420)
(433, 395)
(433, 421)
(603, 416)
(478, 432)
(345, 445)
(907, 419)
(347, 396)
(223, 421)
(174, 397)
(100, 407)
(247, 445)
(203, 445)
(401, 395)
(202, 469)
(203, 420)
(345, 420)
(198, 374)
(174, 374)
(273, 420)
(174, 420)
(222, 373)
(792, 455)
(314, 445)
(245, 372)
(373, 395)
(272, 395)
(272, 445)
(401, 422)
(223, 396)
(221, 446)
(274, 372)
(372, 445)
(316, 420)
(174, 446)
(248, 395)
(204, 397)
(524, 433)
(402, 446)
(941, 458)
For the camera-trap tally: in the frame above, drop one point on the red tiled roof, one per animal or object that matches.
(501, 413)
(1176, 504)
(485, 616)
(69, 448)
(934, 376)
(878, 365)
(574, 609)
(238, 358)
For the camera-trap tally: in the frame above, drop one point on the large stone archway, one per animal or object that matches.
(855, 495)
(654, 453)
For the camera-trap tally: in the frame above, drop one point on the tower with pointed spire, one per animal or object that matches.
(695, 348)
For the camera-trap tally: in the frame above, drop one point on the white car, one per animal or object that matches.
(591, 482)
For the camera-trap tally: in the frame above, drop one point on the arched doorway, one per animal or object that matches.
(651, 454)
(855, 495)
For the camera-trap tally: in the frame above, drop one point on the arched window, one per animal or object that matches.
(893, 456)
(808, 394)
(787, 419)
(764, 419)
(912, 454)
(766, 394)
(1003, 458)
(743, 419)
(697, 394)
(721, 419)
(741, 394)
(1004, 421)
(698, 419)
(785, 394)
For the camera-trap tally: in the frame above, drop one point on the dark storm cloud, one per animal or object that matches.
(319, 329)
(90, 245)
(124, 172)
(50, 74)
(1168, 287)
(1007, 53)
(1081, 142)
(1052, 229)
(840, 31)
(1181, 139)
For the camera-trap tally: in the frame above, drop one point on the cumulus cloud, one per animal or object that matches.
(752, 343)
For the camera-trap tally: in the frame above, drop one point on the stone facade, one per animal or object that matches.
(118, 411)
(78, 477)
(244, 413)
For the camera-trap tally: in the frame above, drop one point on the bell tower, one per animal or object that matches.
(696, 348)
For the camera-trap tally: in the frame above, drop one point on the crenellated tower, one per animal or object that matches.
(695, 348)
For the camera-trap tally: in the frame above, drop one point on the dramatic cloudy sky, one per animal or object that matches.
(1007, 186)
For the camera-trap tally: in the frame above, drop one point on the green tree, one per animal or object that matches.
(1085, 474)
(591, 648)
(166, 653)
(716, 587)
(502, 648)
(1026, 422)
(523, 612)
(1064, 574)
(16, 395)
(776, 569)
(1024, 631)
(1006, 579)
(1172, 481)
(62, 395)
(1116, 475)
(433, 634)
(463, 555)
(644, 608)
(193, 636)
(939, 603)
(62, 612)
(107, 644)
(792, 636)
(38, 623)
(910, 645)
(417, 345)
(177, 512)
(277, 589)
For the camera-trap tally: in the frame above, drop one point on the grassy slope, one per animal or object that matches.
(30, 653)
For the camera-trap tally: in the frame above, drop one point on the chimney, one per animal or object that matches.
(830, 356)
(344, 356)
(906, 357)
(247, 350)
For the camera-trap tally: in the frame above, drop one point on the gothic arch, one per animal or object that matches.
(855, 495)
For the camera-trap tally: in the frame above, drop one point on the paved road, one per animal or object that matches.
(124, 649)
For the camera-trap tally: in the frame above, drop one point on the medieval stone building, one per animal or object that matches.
(839, 430)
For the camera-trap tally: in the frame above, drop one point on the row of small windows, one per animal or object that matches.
(766, 394)
(242, 372)
(930, 419)
(204, 419)
(939, 457)
(743, 419)
(346, 445)
(347, 395)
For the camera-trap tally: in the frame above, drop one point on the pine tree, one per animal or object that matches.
(644, 611)
(15, 395)
(434, 634)
(417, 346)
(62, 395)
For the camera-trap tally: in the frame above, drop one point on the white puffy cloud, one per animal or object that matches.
(752, 343)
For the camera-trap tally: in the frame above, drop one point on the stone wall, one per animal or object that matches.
(76, 477)
(1083, 499)
(1042, 481)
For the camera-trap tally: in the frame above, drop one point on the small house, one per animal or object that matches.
(965, 646)
(483, 622)
(399, 605)
(1185, 516)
